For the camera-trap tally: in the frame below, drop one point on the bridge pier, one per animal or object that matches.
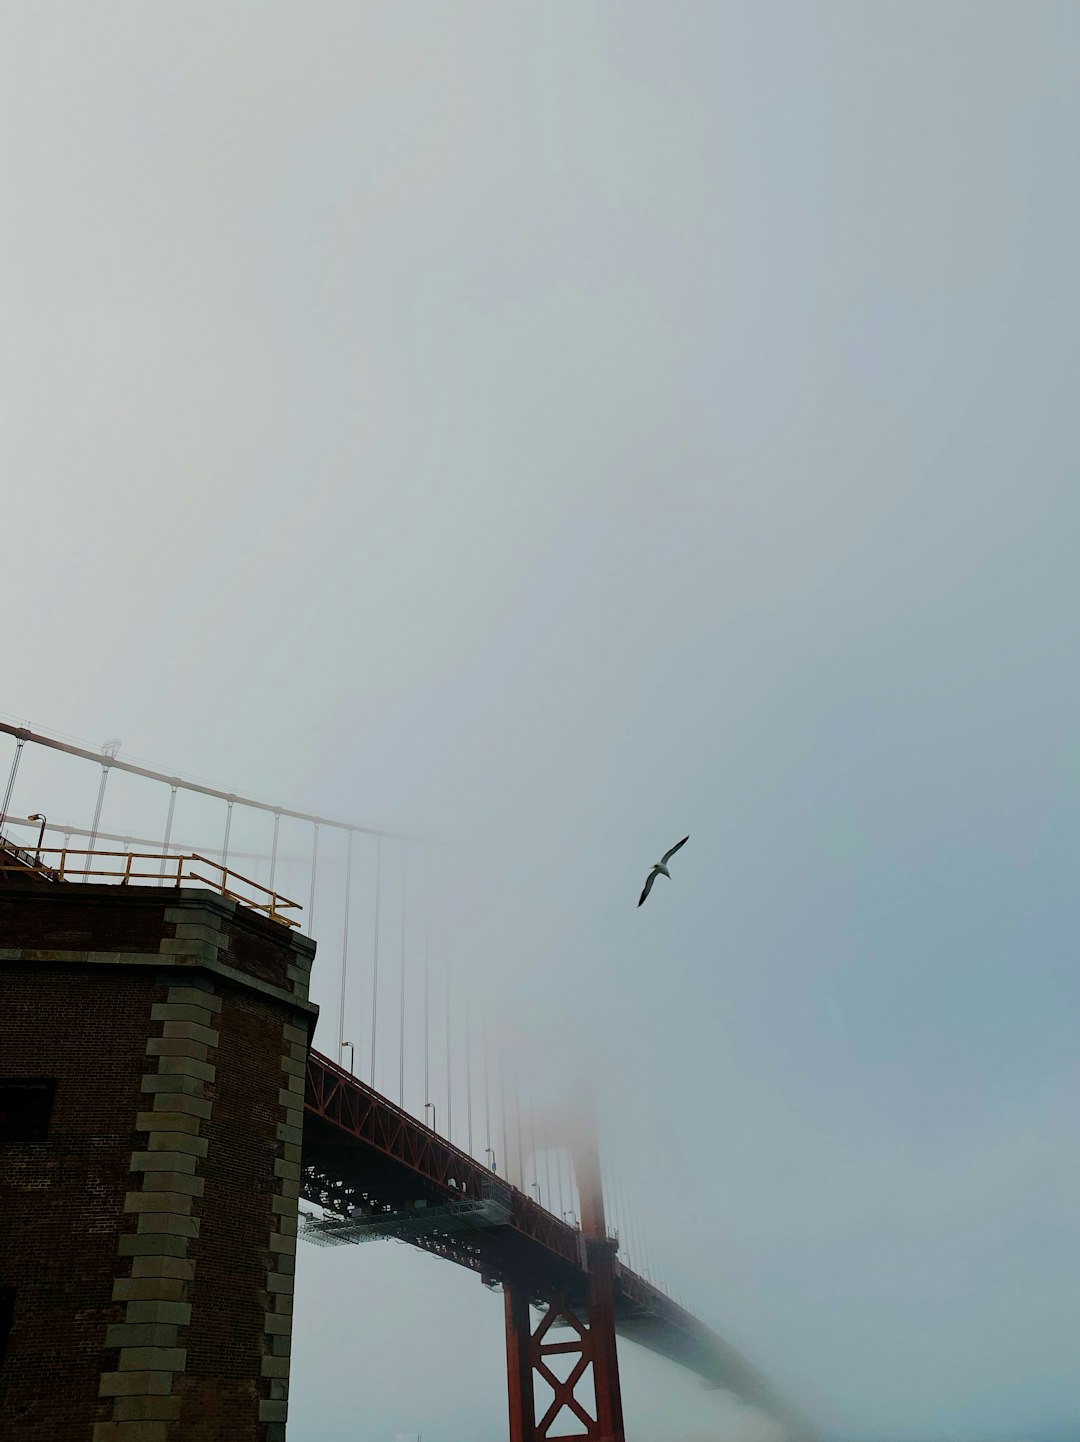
(593, 1368)
(595, 1365)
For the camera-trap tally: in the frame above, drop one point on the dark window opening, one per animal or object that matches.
(25, 1108)
(7, 1316)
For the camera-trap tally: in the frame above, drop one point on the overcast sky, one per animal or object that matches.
(554, 428)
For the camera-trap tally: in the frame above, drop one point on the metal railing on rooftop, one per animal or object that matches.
(63, 863)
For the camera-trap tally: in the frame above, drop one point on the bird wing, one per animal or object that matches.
(669, 854)
(648, 887)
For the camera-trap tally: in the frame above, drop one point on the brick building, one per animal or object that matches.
(152, 1051)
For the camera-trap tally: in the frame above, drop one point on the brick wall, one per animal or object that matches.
(152, 1236)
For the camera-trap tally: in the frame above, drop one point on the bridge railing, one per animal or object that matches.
(145, 868)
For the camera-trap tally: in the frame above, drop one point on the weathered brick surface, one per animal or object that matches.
(61, 1201)
(149, 1237)
(225, 1338)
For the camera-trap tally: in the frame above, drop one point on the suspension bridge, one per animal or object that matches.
(437, 1138)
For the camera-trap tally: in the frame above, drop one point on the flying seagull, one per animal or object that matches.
(660, 869)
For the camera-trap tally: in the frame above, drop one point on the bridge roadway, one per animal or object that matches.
(361, 1151)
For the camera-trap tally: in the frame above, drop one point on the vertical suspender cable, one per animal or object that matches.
(530, 1113)
(311, 894)
(20, 741)
(468, 1071)
(427, 985)
(168, 824)
(449, 1056)
(502, 1109)
(545, 1138)
(97, 808)
(517, 1117)
(344, 935)
(375, 956)
(273, 849)
(228, 828)
(401, 978)
(485, 1043)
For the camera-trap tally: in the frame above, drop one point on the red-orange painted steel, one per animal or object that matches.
(593, 1343)
(519, 1372)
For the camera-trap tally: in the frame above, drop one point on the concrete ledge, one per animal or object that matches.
(164, 1202)
(191, 1031)
(167, 1142)
(178, 1268)
(196, 931)
(176, 1046)
(183, 1066)
(135, 1384)
(142, 1409)
(192, 1105)
(149, 1289)
(152, 1359)
(178, 1313)
(296, 1001)
(193, 995)
(181, 1011)
(163, 1162)
(175, 1223)
(159, 1245)
(174, 1182)
(171, 1123)
(135, 1431)
(191, 1086)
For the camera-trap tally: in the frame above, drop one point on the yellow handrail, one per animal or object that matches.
(222, 879)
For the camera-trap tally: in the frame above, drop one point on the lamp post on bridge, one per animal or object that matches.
(37, 816)
(432, 1106)
(352, 1056)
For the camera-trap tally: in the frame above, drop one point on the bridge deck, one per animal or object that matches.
(366, 1158)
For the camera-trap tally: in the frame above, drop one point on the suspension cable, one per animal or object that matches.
(449, 1052)
(502, 1110)
(468, 1070)
(168, 828)
(20, 742)
(545, 1133)
(228, 828)
(375, 957)
(344, 934)
(97, 808)
(401, 979)
(314, 866)
(485, 1043)
(427, 984)
(274, 847)
(517, 1116)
